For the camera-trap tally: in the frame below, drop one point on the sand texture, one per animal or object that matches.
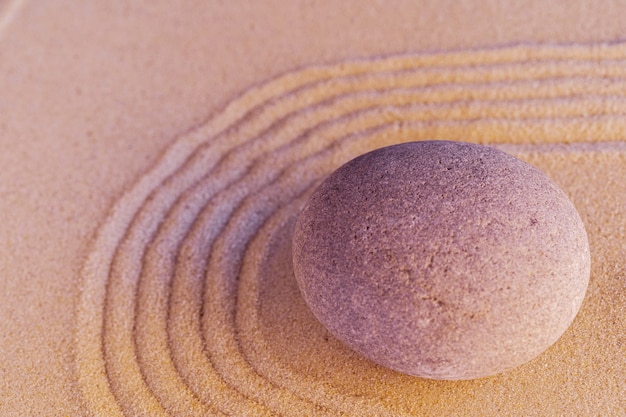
(154, 160)
(186, 306)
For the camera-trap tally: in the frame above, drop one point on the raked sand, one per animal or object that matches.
(154, 159)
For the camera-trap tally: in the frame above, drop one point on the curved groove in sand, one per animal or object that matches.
(168, 322)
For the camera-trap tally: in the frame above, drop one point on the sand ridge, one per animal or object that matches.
(173, 316)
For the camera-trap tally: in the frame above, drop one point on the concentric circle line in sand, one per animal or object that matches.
(395, 83)
(153, 351)
(546, 71)
(210, 231)
(212, 211)
(157, 254)
(147, 308)
(563, 107)
(232, 199)
(299, 164)
(249, 282)
(146, 215)
(585, 72)
(190, 283)
(528, 71)
(277, 186)
(145, 230)
(165, 157)
(257, 94)
(194, 194)
(90, 364)
(559, 107)
(223, 266)
(471, 93)
(474, 103)
(291, 105)
(231, 246)
(237, 262)
(122, 366)
(587, 90)
(250, 335)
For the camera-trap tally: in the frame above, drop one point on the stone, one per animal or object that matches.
(440, 259)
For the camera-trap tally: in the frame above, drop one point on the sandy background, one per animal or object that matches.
(92, 94)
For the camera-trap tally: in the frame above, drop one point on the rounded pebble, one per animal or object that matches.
(440, 259)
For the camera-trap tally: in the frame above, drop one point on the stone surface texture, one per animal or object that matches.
(440, 259)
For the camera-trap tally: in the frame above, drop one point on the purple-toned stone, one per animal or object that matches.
(444, 260)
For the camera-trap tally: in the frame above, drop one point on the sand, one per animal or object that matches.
(154, 158)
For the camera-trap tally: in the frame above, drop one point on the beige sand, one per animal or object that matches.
(145, 274)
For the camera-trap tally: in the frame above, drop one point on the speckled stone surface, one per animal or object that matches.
(444, 260)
